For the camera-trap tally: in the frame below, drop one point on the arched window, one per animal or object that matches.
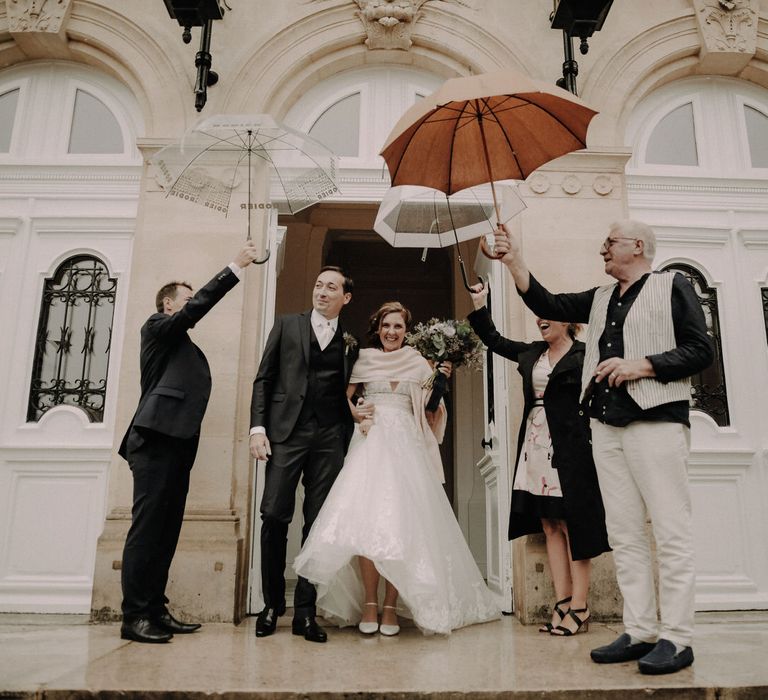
(701, 127)
(673, 141)
(353, 111)
(73, 339)
(338, 127)
(8, 102)
(94, 127)
(708, 392)
(757, 136)
(66, 115)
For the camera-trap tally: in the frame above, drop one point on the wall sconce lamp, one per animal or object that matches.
(199, 13)
(577, 18)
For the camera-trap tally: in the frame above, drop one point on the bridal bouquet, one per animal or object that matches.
(447, 340)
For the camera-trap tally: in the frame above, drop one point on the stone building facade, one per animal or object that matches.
(90, 89)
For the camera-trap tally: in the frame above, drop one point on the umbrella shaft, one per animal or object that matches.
(488, 166)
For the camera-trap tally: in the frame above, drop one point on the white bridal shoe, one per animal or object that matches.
(369, 627)
(389, 630)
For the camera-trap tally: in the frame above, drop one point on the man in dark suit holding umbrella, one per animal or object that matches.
(302, 423)
(160, 447)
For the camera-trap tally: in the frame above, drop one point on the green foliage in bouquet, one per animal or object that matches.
(448, 339)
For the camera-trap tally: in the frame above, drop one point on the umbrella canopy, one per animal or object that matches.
(420, 217)
(228, 153)
(494, 126)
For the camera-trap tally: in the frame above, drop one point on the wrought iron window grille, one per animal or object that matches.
(74, 337)
(708, 390)
(764, 295)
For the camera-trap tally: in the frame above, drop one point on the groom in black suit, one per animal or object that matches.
(301, 421)
(160, 446)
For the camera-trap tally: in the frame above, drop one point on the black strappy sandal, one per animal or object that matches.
(581, 625)
(560, 612)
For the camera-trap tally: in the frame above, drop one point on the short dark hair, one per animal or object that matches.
(348, 285)
(169, 290)
(374, 324)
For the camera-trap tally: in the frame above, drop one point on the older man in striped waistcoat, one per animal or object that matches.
(646, 337)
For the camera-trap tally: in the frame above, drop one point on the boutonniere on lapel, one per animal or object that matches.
(350, 343)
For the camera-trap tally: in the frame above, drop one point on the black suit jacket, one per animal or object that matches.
(175, 376)
(281, 382)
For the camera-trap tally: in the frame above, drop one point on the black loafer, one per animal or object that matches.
(621, 649)
(266, 621)
(308, 628)
(143, 630)
(169, 623)
(665, 659)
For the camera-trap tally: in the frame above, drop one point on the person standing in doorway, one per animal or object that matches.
(646, 337)
(160, 446)
(554, 488)
(301, 423)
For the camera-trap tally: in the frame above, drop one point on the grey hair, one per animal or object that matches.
(639, 230)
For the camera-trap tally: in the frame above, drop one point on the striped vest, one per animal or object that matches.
(648, 330)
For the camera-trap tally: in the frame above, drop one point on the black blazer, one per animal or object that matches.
(175, 376)
(281, 382)
(570, 433)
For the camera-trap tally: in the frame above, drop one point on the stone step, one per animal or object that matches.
(48, 657)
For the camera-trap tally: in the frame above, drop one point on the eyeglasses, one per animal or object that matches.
(608, 242)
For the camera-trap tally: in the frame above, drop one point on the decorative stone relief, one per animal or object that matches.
(37, 15)
(539, 183)
(728, 30)
(38, 26)
(602, 185)
(389, 23)
(571, 184)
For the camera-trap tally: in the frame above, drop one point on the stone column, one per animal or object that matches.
(176, 240)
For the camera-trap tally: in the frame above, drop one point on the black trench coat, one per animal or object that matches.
(569, 430)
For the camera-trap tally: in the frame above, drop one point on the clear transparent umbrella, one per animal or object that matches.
(422, 217)
(227, 153)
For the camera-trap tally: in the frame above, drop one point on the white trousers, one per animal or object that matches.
(643, 467)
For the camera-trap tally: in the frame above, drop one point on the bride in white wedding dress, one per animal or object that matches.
(387, 516)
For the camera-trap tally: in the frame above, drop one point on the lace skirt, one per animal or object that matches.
(388, 505)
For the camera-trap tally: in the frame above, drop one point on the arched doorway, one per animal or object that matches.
(354, 112)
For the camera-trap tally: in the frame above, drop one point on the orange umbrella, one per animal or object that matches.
(493, 126)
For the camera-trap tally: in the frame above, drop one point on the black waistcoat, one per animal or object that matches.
(325, 396)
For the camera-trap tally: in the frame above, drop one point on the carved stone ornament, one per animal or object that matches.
(602, 185)
(389, 23)
(37, 15)
(571, 184)
(728, 31)
(539, 183)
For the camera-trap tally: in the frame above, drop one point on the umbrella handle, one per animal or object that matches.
(264, 259)
(464, 277)
(485, 250)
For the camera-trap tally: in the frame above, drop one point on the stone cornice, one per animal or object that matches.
(705, 189)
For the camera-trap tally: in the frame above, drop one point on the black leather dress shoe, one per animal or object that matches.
(266, 621)
(620, 649)
(308, 628)
(665, 659)
(169, 623)
(143, 630)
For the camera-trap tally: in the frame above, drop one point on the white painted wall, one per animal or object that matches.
(53, 473)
